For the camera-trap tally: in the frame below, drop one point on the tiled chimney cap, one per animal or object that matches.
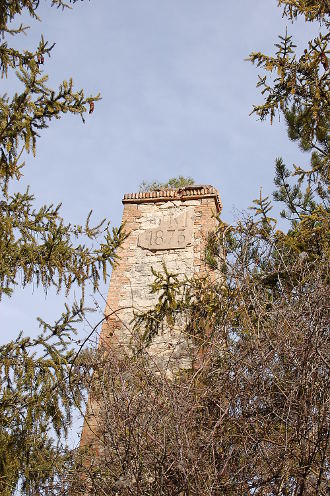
(192, 192)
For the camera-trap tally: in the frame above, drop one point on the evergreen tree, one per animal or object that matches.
(299, 89)
(36, 245)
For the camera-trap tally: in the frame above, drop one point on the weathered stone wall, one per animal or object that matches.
(167, 227)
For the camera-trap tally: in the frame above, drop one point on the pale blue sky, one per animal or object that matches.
(177, 95)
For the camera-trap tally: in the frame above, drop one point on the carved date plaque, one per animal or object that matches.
(173, 232)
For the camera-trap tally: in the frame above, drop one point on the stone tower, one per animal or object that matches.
(168, 227)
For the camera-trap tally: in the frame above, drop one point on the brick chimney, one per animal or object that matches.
(166, 227)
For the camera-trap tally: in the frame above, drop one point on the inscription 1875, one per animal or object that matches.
(174, 231)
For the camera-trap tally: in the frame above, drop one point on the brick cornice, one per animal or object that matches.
(170, 194)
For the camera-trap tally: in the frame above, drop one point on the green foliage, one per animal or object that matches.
(212, 250)
(24, 114)
(168, 286)
(262, 207)
(35, 398)
(213, 246)
(37, 246)
(312, 10)
(300, 91)
(173, 182)
(299, 87)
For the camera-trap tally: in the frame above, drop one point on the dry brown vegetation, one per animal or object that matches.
(251, 417)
